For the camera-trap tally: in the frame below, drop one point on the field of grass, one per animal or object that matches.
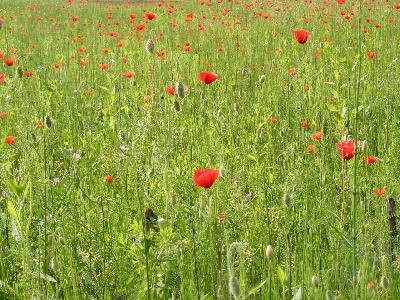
(105, 113)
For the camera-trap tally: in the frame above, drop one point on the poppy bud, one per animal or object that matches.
(286, 200)
(363, 146)
(314, 281)
(61, 240)
(269, 252)
(262, 78)
(149, 47)
(384, 282)
(180, 90)
(177, 106)
(54, 265)
(20, 72)
(219, 112)
(329, 295)
(49, 121)
(150, 172)
(234, 287)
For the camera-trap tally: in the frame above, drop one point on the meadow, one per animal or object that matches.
(199, 149)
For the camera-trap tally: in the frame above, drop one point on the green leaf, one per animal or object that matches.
(332, 107)
(256, 288)
(47, 277)
(11, 210)
(14, 231)
(253, 158)
(281, 275)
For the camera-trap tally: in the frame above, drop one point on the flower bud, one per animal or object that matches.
(177, 106)
(314, 281)
(286, 200)
(149, 47)
(262, 78)
(61, 240)
(234, 287)
(384, 282)
(329, 295)
(180, 90)
(269, 252)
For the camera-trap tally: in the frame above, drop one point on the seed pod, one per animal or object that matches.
(149, 46)
(234, 287)
(262, 78)
(180, 90)
(269, 252)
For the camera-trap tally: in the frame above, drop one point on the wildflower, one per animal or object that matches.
(370, 159)
(10, 140)
(272, 120)
(56, 65)
(140, 27)
(248, 195)
(128, 74)
(150, 16)
(380, 192)
(205, 178)
(102, 66)
(2, 77)
(124, 60)
(316, 136)
(56, 180)
(108, 178)
(301, 36)
(123, 148)
(29, 73)
(304, 124)
(371, 54)
(207, 77)
(9, 61)
(346, 149)
(3, 115)
(76, 156)
(4, 193)
(310, 148)
(221, 218)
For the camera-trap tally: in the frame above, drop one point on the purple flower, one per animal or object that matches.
(56, 180)
(4, 193)
(69, 150)
(76, 156)
(49, 217)
(123, 148)
(248, 195)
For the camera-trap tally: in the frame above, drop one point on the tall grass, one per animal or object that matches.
(70, 232)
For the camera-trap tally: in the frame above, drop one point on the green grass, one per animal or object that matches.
(67, 233)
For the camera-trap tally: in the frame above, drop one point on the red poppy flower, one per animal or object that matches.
(272, 120)
(205, 178)
(304, 124)
(346, 149)
(208, 77)
(124, 60)
(2, 77)
(128, 74)
(10, 139)
(108, 178)
(140, 27)
(310, 148)
(150, 16)
(221, 218)
(340, 2)
(160, 53)
(74, 18)
(301, 36)
(9, 61)
(370, 159)
(102, 66)
(3, 115)
(316, 136)
(29, 73)
(380, 192)
(371, 54)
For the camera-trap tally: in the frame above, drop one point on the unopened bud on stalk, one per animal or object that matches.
(234, 287)
(286, 200)
(384, 282)
(329, 295)
(363, 146)
(180, 90)
(49, 121)
(61, 240)
(269, 252)
(149, 46)
(177, 106)
(314, 281)
(262, 78)
(20, 72)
